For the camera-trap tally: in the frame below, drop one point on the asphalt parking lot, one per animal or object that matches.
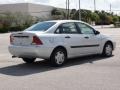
(85, 73)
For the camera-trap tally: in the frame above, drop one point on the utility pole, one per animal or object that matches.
(66, 4)
(68, 9)
(79, 11)
(94, 5)
(110, 8)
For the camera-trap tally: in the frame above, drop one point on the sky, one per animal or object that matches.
(85, 4)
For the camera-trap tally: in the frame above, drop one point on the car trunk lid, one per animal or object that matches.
(22, 38)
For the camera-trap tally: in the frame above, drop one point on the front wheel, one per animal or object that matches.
(28, 60)
(58, 57)
(107, 51)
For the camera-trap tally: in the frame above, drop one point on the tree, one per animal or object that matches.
(105, 18)
(95, 17)
(109, 19)
(115, 18)
(58, 14)
(85, 15)
(72, 13)
(55, 11)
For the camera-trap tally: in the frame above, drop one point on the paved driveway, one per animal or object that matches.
(85, 73)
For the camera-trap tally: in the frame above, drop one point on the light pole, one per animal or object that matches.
(94, 5)
(79, 11)
(110, 8)
(68, 8)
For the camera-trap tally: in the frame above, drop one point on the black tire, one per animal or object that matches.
(107, 53)
(61, 58)
(28, 60)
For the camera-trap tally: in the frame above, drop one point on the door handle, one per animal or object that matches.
(86, 37)
(67, 37)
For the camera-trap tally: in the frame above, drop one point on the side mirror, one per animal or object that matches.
(97, 32)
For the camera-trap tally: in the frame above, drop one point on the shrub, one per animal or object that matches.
(14, 21)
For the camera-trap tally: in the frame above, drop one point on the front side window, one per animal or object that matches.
(67, 28)
(42, 26)
(85, 29)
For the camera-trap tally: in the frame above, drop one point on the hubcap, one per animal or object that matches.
(108, 50)
(59, 57)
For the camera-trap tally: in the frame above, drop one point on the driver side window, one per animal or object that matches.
(85, 29)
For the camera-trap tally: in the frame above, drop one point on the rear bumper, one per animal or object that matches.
(30, 51)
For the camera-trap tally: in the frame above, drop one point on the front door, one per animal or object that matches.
(91, 41)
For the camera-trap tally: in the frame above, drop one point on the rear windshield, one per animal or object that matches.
(41, 26)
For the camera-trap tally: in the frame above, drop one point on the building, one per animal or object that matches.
(35, 10)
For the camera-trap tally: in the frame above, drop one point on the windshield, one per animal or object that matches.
(41, 26)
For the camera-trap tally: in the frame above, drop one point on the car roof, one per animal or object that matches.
(65, 21)
(62, 21)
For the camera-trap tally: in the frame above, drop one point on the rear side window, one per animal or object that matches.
(85, 29)
(67, 28)
(42, 26)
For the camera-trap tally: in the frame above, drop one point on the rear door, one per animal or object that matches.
(72, 38)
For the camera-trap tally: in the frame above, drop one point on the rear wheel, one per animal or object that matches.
(107, 51)
(58, 57)
(28, 60)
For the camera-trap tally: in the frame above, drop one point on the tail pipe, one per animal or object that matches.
(14, 56)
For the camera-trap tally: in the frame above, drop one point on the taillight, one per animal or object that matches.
(36, 41)
(11, 39)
